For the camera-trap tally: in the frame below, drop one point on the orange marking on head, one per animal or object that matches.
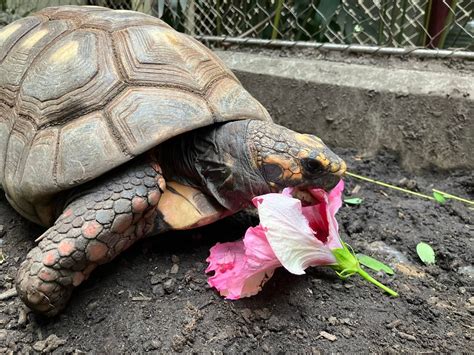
(312, 141)
(91, 229)
(296, 177)
(303, 154)
(286, 164)
(323, 160)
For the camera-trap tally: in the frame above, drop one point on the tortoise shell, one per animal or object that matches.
(86, 89)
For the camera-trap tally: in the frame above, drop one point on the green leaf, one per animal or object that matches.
(439, 197)
(426, 253)
(374, 264)
(353, 201)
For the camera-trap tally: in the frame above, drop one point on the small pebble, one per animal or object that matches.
(152, 345)
(393, 324)
(158, 290)
(406, 336)
(156, 279)
(49, 344)
(175, 259)
(346, 332)
(174, 269)
(169, 285)
(23, 316)
(328, 336)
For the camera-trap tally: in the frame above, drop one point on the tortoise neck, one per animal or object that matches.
(219, 160)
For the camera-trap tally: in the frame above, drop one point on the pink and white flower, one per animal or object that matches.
(289, 235)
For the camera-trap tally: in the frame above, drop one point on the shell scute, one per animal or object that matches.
(145, 117)
(17, 61)
(12, 33)
(74, 76)
(87, 149)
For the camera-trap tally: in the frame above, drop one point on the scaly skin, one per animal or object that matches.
(93, 229)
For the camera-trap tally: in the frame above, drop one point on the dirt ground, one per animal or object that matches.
(155, 297)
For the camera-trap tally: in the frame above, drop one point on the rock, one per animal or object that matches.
(156, 279)
(266, 348)
(152, 345)
(410, 184)
(175, 259)
(2, 230)
(158, 290)
(393, 324)
(23, 316)
(174, 269)
(328, 336)
(8, 294)
(49, 344)
(178, 343)
(333, 320)
(406, 336)
(169, 285)
(346, 332)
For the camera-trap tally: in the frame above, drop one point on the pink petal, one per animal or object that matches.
(322, 217)
(242, 268)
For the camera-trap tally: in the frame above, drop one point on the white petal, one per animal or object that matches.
(289, 234)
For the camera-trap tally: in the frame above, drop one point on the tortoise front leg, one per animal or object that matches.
(97, 226)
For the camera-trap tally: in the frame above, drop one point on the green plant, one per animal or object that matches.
(426, 253)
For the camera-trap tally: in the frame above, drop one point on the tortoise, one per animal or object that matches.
(115, 127)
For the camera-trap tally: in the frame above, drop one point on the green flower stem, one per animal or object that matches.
(348, 265)
(377, 283)
(388, 185)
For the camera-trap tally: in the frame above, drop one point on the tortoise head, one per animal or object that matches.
(287, 158)
(235, 161)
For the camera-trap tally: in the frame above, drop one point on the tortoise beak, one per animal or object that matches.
(339, 169)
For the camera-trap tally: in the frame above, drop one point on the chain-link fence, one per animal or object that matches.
(398, 26)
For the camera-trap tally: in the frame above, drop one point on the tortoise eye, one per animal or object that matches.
(312, 166)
